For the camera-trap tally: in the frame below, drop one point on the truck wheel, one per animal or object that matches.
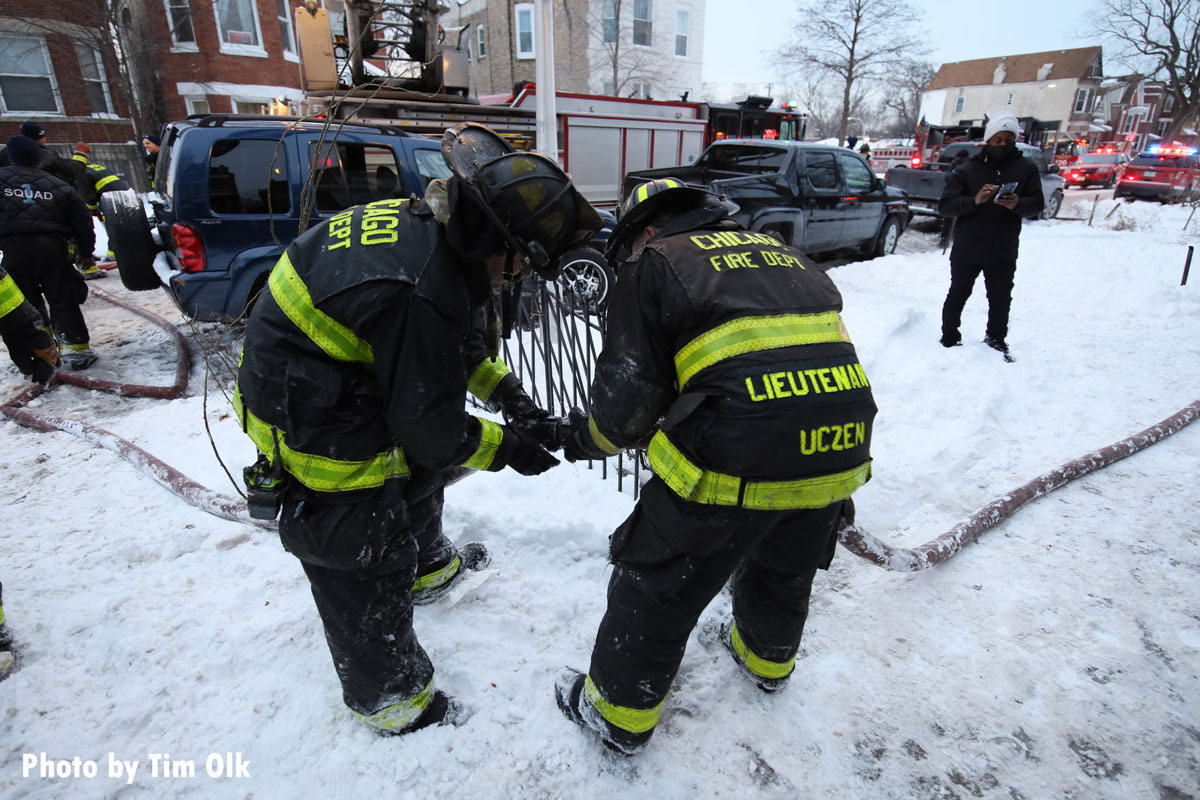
(885, 242)
(130, 240)
(586, 279)
(1052, 206)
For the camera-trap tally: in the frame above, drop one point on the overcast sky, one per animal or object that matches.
(740, 35)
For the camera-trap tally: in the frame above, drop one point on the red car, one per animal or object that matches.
(1101, 168)
(1161, 173)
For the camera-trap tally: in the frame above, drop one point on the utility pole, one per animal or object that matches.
(547, 115)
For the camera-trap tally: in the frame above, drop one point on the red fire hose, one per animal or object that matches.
(231, 508)
(864, 545)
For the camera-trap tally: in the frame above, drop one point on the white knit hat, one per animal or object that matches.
(1003, 121)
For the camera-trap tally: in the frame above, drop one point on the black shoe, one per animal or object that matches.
(769, 685)
(999, 345)
(569, 694)
(442, 710)
(471, 557)
(950, 341)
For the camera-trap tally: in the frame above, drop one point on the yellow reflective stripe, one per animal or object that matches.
(79, 157)
(757, 665)
(634, 720)
(320, 473)
(489, 443)
(100, 184)
(333, 337)
(486, 377)
(699, 485)
(10, 296)
(600, 439)
(750, 334)
(398, 716)
(1, 615)
(436, 579)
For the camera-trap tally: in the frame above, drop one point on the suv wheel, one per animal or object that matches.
(1052, 206)
(587, 279)
(130, 240)
(885, 242)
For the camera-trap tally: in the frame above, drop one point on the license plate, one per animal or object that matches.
(1149, 173)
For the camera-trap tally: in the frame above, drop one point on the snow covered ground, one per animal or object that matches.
(1056, 658)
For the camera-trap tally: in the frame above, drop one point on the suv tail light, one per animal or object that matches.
(189, 247)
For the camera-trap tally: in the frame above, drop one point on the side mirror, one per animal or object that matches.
(1054, 170)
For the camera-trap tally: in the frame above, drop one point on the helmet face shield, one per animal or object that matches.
(529, 198)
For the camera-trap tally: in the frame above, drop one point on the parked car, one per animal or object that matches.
(1100, 168)
(233, 189)
(816, 198)
(924, 186)
(1161, 173)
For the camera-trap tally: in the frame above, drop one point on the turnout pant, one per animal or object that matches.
(42, 268)
(997, 280)
(672, 557)
(361, 560)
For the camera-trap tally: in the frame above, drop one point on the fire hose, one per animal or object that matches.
(852, 537)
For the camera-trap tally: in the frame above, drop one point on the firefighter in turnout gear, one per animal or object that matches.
(357, 359)
(727, 353)
(43, 220)
(93, 180)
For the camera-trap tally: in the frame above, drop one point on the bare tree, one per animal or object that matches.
(1161, 38)
(858, 42)
(901, 99)
(613, 31)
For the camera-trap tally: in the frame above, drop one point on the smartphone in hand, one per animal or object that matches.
(1006, 188)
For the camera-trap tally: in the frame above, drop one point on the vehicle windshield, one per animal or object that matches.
(1156, 160)
(739, 158)
(1097, 158)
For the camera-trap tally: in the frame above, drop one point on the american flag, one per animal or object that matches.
(922, 128)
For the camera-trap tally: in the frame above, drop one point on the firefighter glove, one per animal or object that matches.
(530, 420)
(577, 440)
(524, 454)
(43, 365)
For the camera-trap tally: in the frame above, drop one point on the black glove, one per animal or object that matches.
(577, 441)
(530, 420)
(523, 454)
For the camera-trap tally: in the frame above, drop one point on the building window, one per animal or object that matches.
(683, 15)
(179, 17)
(608, 21)
(197, 105)
(1161, 128)
(960, 103)
(1128, 122)
(1168, 104)
(26, 82)
(642, 29)
(524, 29)
(284, 11)
(237, 23)
(608, 89)
(480, 41)
(640, 91)
(260, 107)
(94, 82)
(1081, 100)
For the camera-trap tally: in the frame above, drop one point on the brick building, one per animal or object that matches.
(201, 56)
(58, 68)
(1139, 111)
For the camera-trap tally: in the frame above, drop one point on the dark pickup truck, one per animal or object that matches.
(924, 185)
(814, 197)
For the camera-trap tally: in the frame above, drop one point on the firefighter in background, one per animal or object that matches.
(93, 180)
(355, 366)
(48, 160)
(42, 219)
(36, 355)
(726, 350)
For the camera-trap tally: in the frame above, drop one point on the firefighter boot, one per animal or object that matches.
(78, 356)
(471, 557)
(766, 675)
(570, 692)
(397, 720)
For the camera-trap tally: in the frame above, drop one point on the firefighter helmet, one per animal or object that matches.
(648, 199)
(529, 198)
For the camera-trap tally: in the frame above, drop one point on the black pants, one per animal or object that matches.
(364, 601)
(672, 557)
(997, 279)
(42, 268)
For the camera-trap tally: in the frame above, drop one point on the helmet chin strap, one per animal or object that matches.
(510, 295)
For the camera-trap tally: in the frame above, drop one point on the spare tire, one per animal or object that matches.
(586, 279)
(129, 239)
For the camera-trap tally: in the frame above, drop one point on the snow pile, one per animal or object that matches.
(1055, 658)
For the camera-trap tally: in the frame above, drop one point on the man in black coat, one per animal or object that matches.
(41, 218)
(988, 228)
(48, 160)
